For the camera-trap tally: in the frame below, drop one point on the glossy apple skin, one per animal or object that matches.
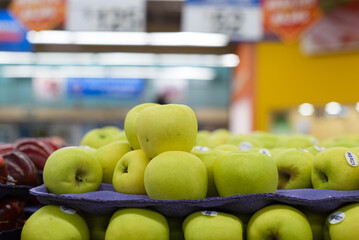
(21, 168)
(3, 171)
(6, 147)
(12, 213)
(36, 149)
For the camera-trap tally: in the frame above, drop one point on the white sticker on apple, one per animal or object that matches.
(202, 148)
(319, 148)
(303, 150)
(314, 141)
(336, 217)
(68, 210)
(210, 213)
(265, 151)
(351, 158)
(245, 146)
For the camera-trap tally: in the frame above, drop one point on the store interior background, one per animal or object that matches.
(241, 86)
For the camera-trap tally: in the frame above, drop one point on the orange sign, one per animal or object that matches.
(39, 14)
(289, 18)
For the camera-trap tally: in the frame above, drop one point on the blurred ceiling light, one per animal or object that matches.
(169, 73)
(333, 108)
(357, 106)
(306, 109)
(120, 59)
(128, 38)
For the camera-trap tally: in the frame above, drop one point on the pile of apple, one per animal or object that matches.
(162, 154)
(20, 163)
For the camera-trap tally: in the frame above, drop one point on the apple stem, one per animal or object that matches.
(78, 178)
(7, 179)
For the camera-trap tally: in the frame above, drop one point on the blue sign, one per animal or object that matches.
(105, 87)
(12, 33)
(225, 2)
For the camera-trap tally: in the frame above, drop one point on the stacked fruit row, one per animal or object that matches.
(162, 154)
(21, 163)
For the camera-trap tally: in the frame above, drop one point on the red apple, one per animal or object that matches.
(6, 147)
(21, 168)
(3, 171)
(12, 214)
(37, 150)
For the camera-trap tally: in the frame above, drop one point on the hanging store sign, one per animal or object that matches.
(39, 14)
(12, 33)
(105, 87)
(106, 15)
(241, 20)
(337, 31)
(287, 19)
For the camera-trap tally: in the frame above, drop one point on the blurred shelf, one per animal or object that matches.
(17, 114)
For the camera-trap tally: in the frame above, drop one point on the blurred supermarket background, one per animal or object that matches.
(282, 66)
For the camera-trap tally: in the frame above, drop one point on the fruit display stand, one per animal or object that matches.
(174, 175)
(106, 200)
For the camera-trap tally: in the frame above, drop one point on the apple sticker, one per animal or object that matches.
(68, 210)
(319, 148)
(210, 213)
(351, 159)
(245, 146)
(202, 148)
(265, 151)
(336, 217)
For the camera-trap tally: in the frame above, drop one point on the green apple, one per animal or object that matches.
(208, 157)
(108, 156)
(55, 223)
(97, 224)
(294, 168)
(72, 170)
(129, 173)
(245, 173)
(175, 225)
(268, 140)
(99, 137)
(219, 136)
(202, 139)
(130, 124)
(279, 221)
(315, 149)
(336, 169)
(316, 221)
(342, 224)
(340, 142)
(296, 141)
(227, 148)
(137, 223)
(170, 127)
(212, 225)
(244, 142)
(176, 175)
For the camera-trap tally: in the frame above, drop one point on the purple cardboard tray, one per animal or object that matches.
(106, 200)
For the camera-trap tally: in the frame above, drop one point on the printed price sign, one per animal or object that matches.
(239, 19)
(106, 15)
(289, 18)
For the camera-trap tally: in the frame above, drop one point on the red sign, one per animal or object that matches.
(289, 18)
(39, 14)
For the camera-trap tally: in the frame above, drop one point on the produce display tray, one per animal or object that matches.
(107, 200)
(14, 190)
(11, 234)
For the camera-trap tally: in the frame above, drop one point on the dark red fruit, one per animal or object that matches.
(21, 169)
(3, 171)
(12, 214)
(6, 147)
(37, 150)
